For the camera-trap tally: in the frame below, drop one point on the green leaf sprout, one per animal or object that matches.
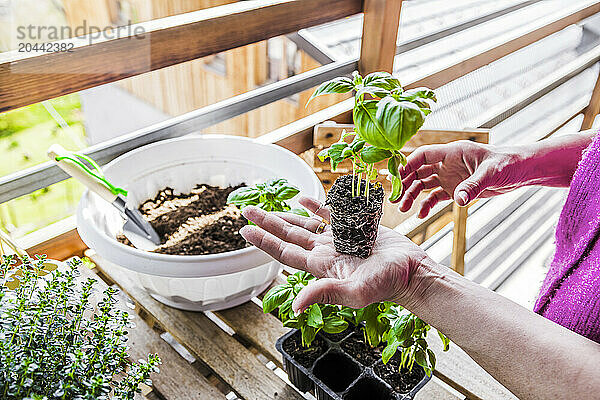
(270, 196)
(385, 118)
(381, 323)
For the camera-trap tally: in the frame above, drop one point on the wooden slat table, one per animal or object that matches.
(242, 365)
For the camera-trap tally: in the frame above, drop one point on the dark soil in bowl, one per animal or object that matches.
(304, 356)
(195, 223)
(355, 346)
(355, 220)
(402, 381)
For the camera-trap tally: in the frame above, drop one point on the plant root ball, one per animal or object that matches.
(355, 220)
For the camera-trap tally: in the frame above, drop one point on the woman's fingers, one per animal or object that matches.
(280, 228)
(434, 197)
(308, 223)
(469, 189)
(327, 291)
(284, 252)
(315, 207)
(424, 155)
(423, 172)
(415, 189)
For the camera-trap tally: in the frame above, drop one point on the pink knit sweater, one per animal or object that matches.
(570, 295)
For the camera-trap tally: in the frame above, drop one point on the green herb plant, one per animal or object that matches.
(385, 118)
(384, 323)
(326, 317)
(56, 342)
(270, 196)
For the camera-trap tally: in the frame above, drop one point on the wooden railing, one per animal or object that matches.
(156, 44)
(27, 79)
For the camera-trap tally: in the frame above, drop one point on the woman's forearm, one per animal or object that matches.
(530, 355)
(552, 162)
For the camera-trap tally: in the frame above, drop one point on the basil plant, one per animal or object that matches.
(385, 118)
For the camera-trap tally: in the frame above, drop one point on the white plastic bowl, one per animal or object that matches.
(206, 282)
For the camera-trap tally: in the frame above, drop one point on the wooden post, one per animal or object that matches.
(380, 33)
(459, 246)
(593, 108)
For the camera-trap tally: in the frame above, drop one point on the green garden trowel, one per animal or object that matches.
(139, 231)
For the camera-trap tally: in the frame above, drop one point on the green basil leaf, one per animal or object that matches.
(244, 196)
(393, 166)
(348, 313)
(372, 154)
(403, 328)
(368, 127)
(299, 211)
(275, 297)
(420, 358)
(374, 328)
(396, 188)
(432, 359)
(276, 183)
(419, 94)
(315, 317)
(323, 154)
(336, 85)
(285, 309)
(445, 340)
(357, 144)
(399, 120)
(287, 192)
(383, 80)
(389, 351)
(372, 90)
(334, 325)
(427, 371)
(346, 153)
(308, 335)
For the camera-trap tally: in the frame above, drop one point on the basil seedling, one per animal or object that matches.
(270, 196)
(385, 322)
(385, 118)
(312, 320)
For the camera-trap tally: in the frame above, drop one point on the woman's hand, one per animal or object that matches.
(465, 170)
(388, 274)
(462, 171)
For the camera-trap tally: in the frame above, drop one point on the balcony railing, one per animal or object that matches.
(168, 41)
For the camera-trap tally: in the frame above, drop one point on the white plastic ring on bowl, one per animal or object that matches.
(181, 164)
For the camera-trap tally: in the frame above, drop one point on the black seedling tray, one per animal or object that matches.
(336, 375)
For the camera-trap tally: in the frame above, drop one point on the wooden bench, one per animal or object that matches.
(233, 351)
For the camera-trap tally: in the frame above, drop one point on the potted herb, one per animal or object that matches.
(385, 118)
(380, 351)
(55, 343)
(181, 186)
(271, 195)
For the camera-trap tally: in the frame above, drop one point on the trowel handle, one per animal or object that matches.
(95, 185)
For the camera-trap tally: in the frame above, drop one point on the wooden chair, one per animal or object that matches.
(329, 132)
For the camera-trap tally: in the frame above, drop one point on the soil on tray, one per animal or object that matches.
(356, 346)
(195, 223)
(402, 381)
(355, 220)
(303, 355)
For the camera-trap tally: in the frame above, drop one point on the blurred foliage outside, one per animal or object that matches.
(25, 135)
